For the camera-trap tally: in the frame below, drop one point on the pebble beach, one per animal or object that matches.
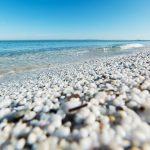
(97, 104)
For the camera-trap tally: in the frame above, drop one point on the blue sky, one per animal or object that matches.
(74, 19)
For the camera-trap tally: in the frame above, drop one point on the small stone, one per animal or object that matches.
(44, 145)
(132, 104)
(63, 143)
(146, 85)
(119, 101)
(74, 102)
(31, 138)
(38, 108)
(112, 118)
(53, 142)
(86, 143)
(56, 120)
(82, 115)
(83, 132)
(14, 116)
(101, 97)
(21, 130)
(62, 132)
(50, 129)
(144, 112)
(20, 144)
(90, 119)
(29, 116)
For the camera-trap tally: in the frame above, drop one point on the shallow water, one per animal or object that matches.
(18, 56)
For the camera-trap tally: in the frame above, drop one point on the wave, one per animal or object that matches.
(130, 46)
(118, 47)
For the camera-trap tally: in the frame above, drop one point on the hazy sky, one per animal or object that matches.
(74, 19)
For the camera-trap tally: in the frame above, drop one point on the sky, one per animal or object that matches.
(74, 19)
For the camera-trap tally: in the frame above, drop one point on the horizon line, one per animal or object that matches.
(74, 39)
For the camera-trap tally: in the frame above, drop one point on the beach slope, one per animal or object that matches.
(97, 104)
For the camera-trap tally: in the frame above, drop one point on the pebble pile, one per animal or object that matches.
(100, 104)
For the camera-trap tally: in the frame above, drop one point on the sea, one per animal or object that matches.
(25, 55)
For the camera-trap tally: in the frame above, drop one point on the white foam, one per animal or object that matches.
(129, 46)
(82, 52)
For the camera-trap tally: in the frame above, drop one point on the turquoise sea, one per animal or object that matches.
(18, 56)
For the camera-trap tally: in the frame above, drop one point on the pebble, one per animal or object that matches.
(132, 104)
(146, 85)
(62, 132)
(29, 116)
(56, 120)
(83, 133)
(20, 144)
(119, 101)
(38, 108)
(74, 102)
(90, 119)
(31, 138)
(145, 111)
(101, 97)
(102, 103)
(86, 143)
(44, 145)
(82, 115)
(13, 116)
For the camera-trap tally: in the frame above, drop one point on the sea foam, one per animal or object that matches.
(133, 45)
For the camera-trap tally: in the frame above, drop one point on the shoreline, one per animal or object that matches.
(14, 62)
(47, 68)
(101, 103)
